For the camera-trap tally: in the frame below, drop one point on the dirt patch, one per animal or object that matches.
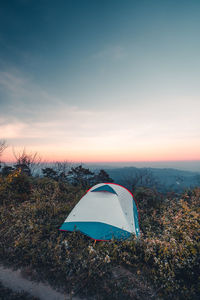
(15, 281)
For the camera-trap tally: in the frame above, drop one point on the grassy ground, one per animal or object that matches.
(162, 264)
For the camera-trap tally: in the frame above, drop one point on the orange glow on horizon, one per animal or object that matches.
(109, 158)
(87, 153)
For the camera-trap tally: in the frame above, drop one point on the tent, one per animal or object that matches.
(106, 211)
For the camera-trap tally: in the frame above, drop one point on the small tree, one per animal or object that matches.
(141, 177)
(102, 176)
(6, 170)
(50, 173)
(27, 163)
(62, 169)
(80, 176)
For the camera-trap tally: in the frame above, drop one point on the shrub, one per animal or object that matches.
(16, 186)
(163, 263)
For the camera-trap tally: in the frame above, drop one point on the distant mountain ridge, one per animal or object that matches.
(184, 165)
(166, 179)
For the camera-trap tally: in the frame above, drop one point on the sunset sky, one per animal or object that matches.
(101, 80)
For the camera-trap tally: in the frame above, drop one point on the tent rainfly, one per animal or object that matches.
(106, 211)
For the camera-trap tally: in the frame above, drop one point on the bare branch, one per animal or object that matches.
(62, 167)
(3, 146)
(27, 161)
(140, 177)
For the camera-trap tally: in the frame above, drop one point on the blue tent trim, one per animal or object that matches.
(135, 214)
(104, 188)
(97, 230)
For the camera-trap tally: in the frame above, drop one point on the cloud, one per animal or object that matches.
(111, 52)
(12, 84)
(33, 117)
(11, 130)
(22, 99)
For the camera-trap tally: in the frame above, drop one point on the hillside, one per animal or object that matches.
(162, 264)
(164, 180)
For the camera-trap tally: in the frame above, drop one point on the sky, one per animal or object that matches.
(100, 80)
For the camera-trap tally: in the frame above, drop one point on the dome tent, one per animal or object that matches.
(106, 211)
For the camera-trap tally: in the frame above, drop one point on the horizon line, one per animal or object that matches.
(105, 162)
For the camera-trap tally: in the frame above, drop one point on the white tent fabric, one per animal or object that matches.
(106, 211)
